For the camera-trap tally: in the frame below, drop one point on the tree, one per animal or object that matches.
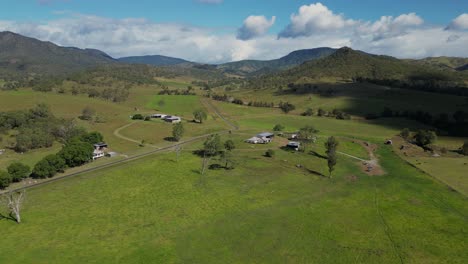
(405, 133)
(212, 145)
(18, 171)
(425, 137)
(286, 107)
(76, 153)
(331, 146)
(200, 115)
(14, 202)
(464, 149)
(87, 113)
(307, 136)
(308, 112)
(177, 131)
(229, 145)
(278, 127)
(40, 111)
(92, 138)
(48, 167)
(5, 179)
(228, 160)
(270, 153)
(321, 112)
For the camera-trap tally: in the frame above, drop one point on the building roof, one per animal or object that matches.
(294, 144)
(254, 139)
(100, 144)
(265, 134)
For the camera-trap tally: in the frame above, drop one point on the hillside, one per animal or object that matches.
(255, 67)
(155, 60)
(20, 55)
(351, 65)
(445, 63)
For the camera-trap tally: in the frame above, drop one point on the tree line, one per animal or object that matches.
(75, 152)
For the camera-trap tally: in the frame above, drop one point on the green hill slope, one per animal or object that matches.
(350, 65)
(21, 55)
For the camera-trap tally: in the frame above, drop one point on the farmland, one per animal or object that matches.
(266, 210)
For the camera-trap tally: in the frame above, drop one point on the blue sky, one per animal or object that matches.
(230, 13)
(259, 29)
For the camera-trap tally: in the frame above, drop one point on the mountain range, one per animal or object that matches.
(20, 55)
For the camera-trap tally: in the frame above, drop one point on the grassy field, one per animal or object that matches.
(361, 99)
(264, 211)
(115, 116)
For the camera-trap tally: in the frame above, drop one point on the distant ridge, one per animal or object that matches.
(24, 55)
(155, 60)
(252, 67)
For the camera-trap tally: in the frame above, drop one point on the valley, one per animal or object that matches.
(163, 199)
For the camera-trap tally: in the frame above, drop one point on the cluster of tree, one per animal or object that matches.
(37, 128)
(166, 90)
(455, 124)
(261, 104)
(338, 114)
(432, 84)
(16, 172)
(307, 88)
(422, 138)
(229, 83)
(286, 107)
(213, 148)
(76, 152)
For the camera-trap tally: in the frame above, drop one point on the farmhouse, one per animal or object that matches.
(255, 140)
(97, 154)
(172, 119)
(262, 138)
(99, 150)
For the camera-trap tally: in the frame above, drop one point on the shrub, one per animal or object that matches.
(5, 179)
(405, 133)
(308, 112)
(18, 171)
(48, 167)
(147, 118)
(278, 127)
(138, 117)
(270, 153)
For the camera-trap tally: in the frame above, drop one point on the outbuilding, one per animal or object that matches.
(293, 145)
(172, 119)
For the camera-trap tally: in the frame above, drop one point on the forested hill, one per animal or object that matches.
(20, 55)
(155, 60)
(350, 65)
(445, 63)
(255, 67)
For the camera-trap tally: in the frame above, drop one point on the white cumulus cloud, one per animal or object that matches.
(459, 23)
(254, 26)
(315, 18)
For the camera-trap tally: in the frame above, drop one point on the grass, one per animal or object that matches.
(264, 211)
